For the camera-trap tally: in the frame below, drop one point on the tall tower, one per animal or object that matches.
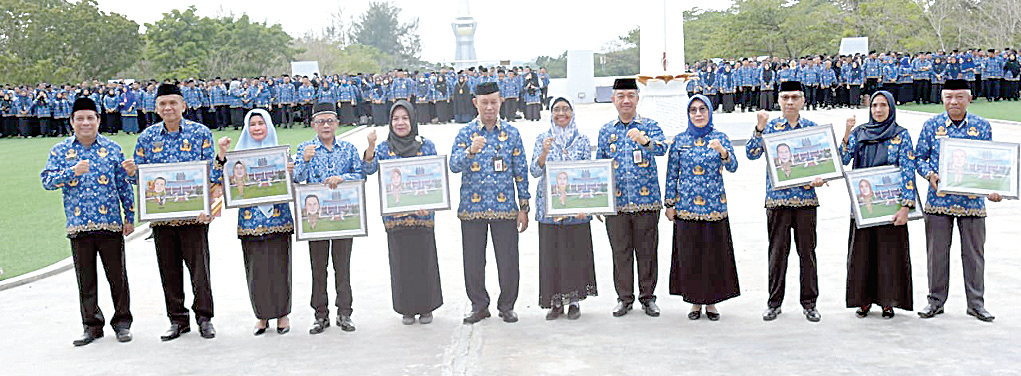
(464, 36)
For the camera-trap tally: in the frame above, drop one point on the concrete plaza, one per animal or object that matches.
(42, 317)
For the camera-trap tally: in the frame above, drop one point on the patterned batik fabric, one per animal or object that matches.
(92, 201)
(927, 162)
(694, 177)
(383, 153)
(488, 194)
(637, 183)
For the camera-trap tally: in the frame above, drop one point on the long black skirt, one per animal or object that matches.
(728, 102)
(268, 270)
(702, 269)
(766, 100)
(443, 114)
(379, 114)
(879, 267)
(347, 113)
(854, 95)
(424, 111)
(566, 267)
(414, 270)
(532, 111)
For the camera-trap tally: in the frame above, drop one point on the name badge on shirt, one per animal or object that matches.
(498, 164)
(637, 156)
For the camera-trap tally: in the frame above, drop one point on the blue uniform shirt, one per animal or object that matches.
(790, 197)
(637, 183)
(371, 167)
(927, 153)
(694, 177)
(488, 194)
(192, 142)
(342, 161)
(93, 201)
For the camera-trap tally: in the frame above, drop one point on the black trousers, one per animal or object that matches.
(474, 236)
(634, 237)
(188, 245)
(810, 96)
(222, 116)
(287, 115)
(319, 252)
(109, 246)
(237, 116)
(991, 88)
(509, 109)
(779, 223)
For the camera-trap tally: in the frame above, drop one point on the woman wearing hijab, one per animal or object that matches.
(567, 272)
(766, 94)
(728, 86)
(878, 258)
(378, 96)
(1011, 75)
(939, 76)
(854, 85)
(414, 268)
(265, 233)
(462, 100)
(702, 269)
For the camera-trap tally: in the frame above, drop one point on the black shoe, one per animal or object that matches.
(283, 330)
(695, 315)
(930, 311)
(651, 309)
(176, 330)
(476, 316)
(888, 313)
(87, 337)
(863, 311)
(621, 309)
(345, 323)
(712, 316)
(771, 314)
(259, 331)
(812, 314)
(123, 335)
(554, 313)
(509, 316)
(981, 314)
(573, 312)
(206, 329)
(319, 326)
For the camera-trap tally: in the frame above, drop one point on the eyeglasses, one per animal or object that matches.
(695, 110)
(326, 121)
(562, 110)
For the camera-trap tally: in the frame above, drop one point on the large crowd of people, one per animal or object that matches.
(96, 180)
(441, 96)
(848, 80)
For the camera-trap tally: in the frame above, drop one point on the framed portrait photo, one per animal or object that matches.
(974, 167)
(257, 177)
(169, 191)
(574, 187)
(322, 213)
(411, 184)
(876, 195)
(796, 158)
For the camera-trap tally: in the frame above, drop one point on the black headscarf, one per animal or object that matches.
(407, 146)
(870, 151)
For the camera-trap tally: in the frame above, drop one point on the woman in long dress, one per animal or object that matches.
(414, 268)
(702, 269)
(567, 271)
(878, 258)
(265, 233)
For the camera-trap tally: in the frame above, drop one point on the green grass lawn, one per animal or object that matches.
(411, 199)
(991, 110)
(799, 170)
(879, 210)
(325, 225)
(972, 181)
(255, 191)
(171, 206)
(28, 209)
(575, 202)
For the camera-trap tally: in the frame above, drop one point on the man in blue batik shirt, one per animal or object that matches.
(89, 169)
(632, 142)
(325, 159)
(490, 156)
(789, 209)
(942, 209)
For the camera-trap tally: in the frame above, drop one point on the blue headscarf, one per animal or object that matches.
(695, 131)
(246, 142)
(563, 136)
(870, 151)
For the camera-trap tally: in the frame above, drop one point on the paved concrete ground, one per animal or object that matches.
(42, 317)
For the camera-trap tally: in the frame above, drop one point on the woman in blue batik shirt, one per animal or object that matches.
(567, 271)
(265, 233)
(702, 269)
(878, 258)
(414, 267)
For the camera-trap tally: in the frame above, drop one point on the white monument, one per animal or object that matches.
(464, 36)
(661, 53)
(581, 83)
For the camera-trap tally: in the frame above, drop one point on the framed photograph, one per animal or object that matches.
(574, 187)
(411, 184)
(796, 158)
(973, 167)
(169, 191)
(257, 177)
(322, 213)
(876, 195)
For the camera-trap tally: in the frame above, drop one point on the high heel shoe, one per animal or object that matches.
(260, 328)
(712, 316)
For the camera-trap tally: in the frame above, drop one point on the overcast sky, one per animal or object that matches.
(507, 30)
